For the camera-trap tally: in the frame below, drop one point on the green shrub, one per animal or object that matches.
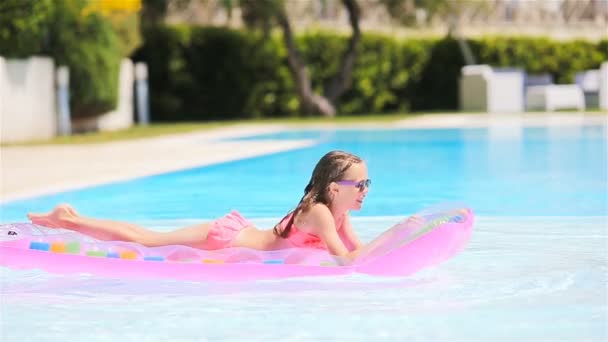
(22, 26)
(127, 28)
(75, 36)
(539, 55)
(383, 69)
(437, 85)
(211, 73)
(88, 45)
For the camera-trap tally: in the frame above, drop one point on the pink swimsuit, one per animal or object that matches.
(225, 229)
(299, 238)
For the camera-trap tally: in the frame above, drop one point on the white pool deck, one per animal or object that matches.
(29, 171)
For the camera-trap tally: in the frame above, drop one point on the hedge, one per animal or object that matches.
(203, 73)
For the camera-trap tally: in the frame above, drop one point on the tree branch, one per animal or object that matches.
(310, 102)
(293, 57)
(343, 79)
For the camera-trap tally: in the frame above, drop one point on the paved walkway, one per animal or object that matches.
(28, 171)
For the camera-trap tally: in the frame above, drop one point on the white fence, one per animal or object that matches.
(28, 109)
(27, 99)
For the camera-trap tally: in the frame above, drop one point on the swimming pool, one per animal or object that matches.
(537, 258)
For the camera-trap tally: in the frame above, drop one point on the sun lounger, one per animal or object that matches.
(483, 88)
(555, 96)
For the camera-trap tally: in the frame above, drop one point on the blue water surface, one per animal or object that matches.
(533, 172)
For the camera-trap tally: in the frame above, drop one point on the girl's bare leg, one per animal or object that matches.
(64, 216)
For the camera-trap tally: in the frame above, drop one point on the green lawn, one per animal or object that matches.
(158, 129)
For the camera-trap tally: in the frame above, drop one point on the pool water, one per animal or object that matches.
(538, 172)
(535, 269)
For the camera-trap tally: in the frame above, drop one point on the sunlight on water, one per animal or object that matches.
(517, 277)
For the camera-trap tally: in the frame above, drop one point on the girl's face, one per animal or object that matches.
(349, 192)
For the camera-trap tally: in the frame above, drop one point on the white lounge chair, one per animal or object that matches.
(555, 96)
(493, 90)
(589, 81)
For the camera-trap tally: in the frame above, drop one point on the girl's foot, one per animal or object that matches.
(58, 218)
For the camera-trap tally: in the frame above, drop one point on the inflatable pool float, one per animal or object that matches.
(404, 249)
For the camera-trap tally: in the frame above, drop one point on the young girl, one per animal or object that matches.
(339, 183)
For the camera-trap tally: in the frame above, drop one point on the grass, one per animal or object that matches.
(135, 132)
(159, 129)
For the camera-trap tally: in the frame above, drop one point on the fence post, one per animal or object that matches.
(141, 93)
(64, 124)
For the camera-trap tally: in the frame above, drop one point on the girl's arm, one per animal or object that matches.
(348, 235)
(325, 227)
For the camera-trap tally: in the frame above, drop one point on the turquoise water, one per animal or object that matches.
(537, 172)
(535, 269)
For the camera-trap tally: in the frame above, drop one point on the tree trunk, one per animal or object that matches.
(311, 102)
(343, 79)
(454, 31)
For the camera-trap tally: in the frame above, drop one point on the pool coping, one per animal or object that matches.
(31, 171)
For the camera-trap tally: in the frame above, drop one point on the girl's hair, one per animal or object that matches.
(330, 168)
